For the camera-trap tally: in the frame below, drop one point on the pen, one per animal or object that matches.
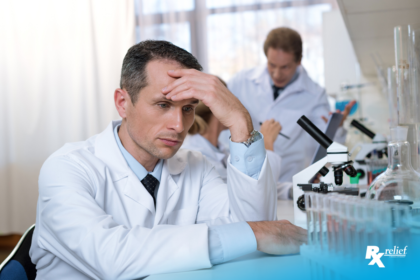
(285, 136)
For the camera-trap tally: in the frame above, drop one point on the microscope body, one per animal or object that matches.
(379, 143)
(337, 157)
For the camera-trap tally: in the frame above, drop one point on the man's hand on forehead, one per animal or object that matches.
(191, 83)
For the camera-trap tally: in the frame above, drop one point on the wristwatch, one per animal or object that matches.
(255, 135)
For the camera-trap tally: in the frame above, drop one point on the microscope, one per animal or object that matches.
(339, 160)
(379, 144)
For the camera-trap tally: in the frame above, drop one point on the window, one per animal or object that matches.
(177, 33)
(227, 36)
(166, 6)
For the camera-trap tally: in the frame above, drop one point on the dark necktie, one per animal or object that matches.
(276, 91)
(150, 183)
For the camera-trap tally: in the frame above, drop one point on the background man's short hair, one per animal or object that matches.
(133, 73)
(285, 39)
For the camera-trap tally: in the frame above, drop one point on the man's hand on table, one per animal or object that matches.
(224, 105)
(278, 237)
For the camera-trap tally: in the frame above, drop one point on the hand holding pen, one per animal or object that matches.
(270, 126)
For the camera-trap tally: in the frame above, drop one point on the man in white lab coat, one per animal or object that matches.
(127, 202)
(282, 90)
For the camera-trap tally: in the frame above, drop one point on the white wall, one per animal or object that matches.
(60, 62)
(341, 66)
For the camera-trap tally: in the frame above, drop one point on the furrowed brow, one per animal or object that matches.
(161, 99)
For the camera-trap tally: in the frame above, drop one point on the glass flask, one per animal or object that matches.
(408, 96)
(399, 183)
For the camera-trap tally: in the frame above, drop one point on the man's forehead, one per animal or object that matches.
(162, 66)
(158, 78)
(280, 56)
(157, 72)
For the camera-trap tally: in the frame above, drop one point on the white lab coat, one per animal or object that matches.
(96, 220)
(218, 156)
(302, 97)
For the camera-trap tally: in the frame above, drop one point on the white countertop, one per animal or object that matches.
(256, 265)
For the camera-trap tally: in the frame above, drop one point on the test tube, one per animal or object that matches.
(344, 220)
(337, 223)
(360, 230)
(323, 206)
(344, 239)
(330, 222)
(309, 217)
(370, 226)
(316, 219)
(351, 203)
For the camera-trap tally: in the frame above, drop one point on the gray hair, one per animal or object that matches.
(133, 72)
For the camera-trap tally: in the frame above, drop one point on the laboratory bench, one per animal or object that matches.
(256, 265)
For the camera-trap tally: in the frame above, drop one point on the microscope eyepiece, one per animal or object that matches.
(314, 131)
(363, 129)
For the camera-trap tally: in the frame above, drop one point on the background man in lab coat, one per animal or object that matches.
(282, 90)
(127, 202)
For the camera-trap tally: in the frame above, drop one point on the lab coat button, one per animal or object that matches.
(236, 158)
(250, 159)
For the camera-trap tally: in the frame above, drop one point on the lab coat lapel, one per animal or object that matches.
(263, 80)
(166, 190)
(135, 190)
(107, 150)
(168, 193)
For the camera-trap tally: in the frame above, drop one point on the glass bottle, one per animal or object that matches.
(399, 183)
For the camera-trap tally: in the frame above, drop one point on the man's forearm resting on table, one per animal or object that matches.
(227, 242)
(230, 241)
